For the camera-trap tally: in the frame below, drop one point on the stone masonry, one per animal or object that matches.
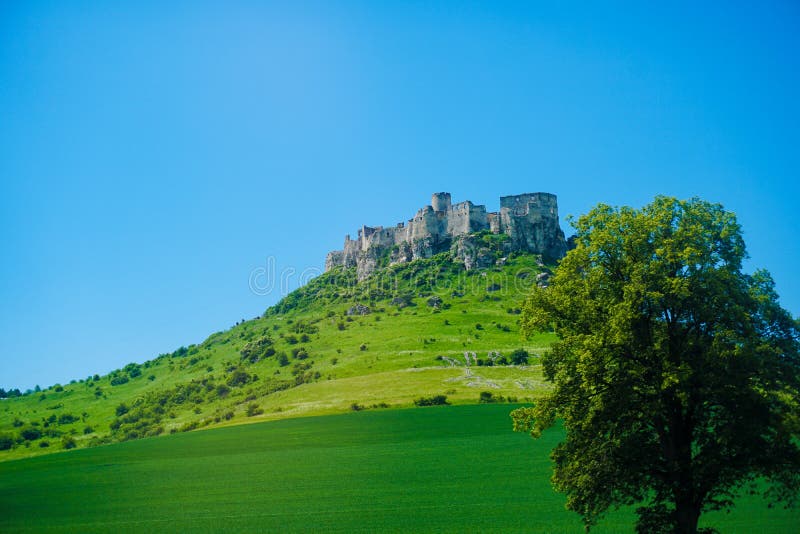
(530, 220)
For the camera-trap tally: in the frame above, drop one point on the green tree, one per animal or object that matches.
(676, 375)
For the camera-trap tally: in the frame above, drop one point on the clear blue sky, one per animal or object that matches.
(152, 154)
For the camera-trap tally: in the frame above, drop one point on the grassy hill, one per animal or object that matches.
(437, 469)
(334, 345)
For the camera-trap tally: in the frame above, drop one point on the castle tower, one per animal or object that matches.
(440, 201)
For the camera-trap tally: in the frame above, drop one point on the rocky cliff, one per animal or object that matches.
(527, 223)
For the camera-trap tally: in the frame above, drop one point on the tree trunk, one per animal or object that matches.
(687, 514)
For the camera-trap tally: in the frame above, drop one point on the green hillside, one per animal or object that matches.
(334, 345)
(438, 469)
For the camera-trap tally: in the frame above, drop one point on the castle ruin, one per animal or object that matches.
(529, 220)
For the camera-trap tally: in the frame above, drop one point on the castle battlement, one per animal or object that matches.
(530, 220)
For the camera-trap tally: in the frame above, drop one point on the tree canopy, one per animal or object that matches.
(675, 374)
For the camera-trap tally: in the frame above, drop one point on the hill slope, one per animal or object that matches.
(333, 345)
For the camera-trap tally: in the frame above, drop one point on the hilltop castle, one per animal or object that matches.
(530, 221)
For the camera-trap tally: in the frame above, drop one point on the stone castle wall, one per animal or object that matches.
(530, 220)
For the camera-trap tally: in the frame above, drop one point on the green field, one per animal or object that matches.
(442, 469)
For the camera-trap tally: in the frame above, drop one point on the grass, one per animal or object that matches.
(397, 364)
(442, 469)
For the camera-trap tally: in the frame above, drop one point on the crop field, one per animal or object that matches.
(443, 469)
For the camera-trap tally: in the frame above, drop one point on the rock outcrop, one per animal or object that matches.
(530, 221)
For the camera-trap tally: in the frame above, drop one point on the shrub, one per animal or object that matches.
(30, 434)
(67, 418)
(363, 347)
(44, 444)
(434, 302)
(68, 442)
(435, 400)
(258, 349)
(122, 409)
(519, 357)
(487, 397)
(253, 409)
(283, 360)
(190, 426)
(151, 378)
(238, 378)
(119, 380)
(356, 407)
(88, 430)
(6, 442)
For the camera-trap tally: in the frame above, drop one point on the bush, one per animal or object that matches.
(30, 434)
(188, 427)
(253, 409)
(122, 409)
(283, 360)
(67, 418)
(88, 430)
(487, 397)
(258, 349)
(68, 442)
(119, 380)
(44, 444)
(356, 407)
(436, 400)
(519, 357)
(6, 442)
(363, 347)
(238, 378)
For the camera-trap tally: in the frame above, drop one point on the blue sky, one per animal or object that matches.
(152, 156)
